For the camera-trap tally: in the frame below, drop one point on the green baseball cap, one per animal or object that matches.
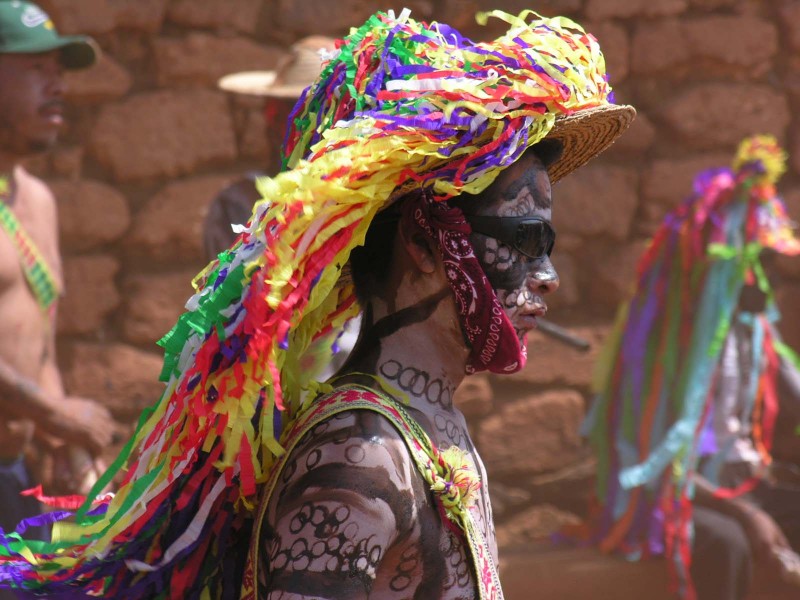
(26, 29)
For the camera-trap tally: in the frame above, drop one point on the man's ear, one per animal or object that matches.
(420, 249)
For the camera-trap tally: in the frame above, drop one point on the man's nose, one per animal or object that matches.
(542, 277)
(58, 86)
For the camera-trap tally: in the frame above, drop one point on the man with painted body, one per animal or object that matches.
(446, 288)
(32, 398)
(350, 497)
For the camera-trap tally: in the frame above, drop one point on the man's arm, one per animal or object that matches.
(763, 533)
(345, 499)
(78, 421)
(75, 420)
(21, 397)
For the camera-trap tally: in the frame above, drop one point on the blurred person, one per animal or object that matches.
(32, 400)
(417, 190)
(232, 207)
(280, 90)
(694, 376)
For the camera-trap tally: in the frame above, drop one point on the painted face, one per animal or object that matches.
(520, 282)
(31, 101)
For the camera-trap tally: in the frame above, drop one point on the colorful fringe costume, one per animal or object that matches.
(400, 105)
(650, 423)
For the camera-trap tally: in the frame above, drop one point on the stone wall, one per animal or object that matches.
(151, 140)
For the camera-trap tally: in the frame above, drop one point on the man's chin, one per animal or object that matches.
(41, 145)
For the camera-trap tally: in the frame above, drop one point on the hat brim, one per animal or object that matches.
(75, 51)
(258, 83)
(78, 52)
(585, 134)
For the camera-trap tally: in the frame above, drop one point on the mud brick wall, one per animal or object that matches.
(151, 140)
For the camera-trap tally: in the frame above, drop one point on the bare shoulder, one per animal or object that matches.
(36, 209)
(232, 205)
(34, 191)
(36, 206)
(360, 451)
(349, 494)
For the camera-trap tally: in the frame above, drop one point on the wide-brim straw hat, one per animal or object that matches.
(295, 72)
(585, 134)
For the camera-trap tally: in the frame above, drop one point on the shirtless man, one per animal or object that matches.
(351, 514)
(32, 399)
(446, 288)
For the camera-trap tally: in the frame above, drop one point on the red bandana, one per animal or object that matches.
(492, 337)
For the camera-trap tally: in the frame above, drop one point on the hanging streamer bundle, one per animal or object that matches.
(655, 378)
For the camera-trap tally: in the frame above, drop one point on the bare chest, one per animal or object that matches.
(448, 428)
(353, 513)
(29, 228)
(25, 326)
(11, 273)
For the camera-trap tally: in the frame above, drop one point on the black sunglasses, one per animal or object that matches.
(532, 236)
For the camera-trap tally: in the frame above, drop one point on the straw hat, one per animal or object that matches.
(294, 73)
(585, 134)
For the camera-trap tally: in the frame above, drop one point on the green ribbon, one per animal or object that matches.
(748, 257)
(201, 321)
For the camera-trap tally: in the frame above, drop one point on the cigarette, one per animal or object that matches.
(562, 335)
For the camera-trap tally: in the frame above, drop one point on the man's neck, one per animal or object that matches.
(7, 162)
(7, 184)
(426, 377)
(424, 358)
